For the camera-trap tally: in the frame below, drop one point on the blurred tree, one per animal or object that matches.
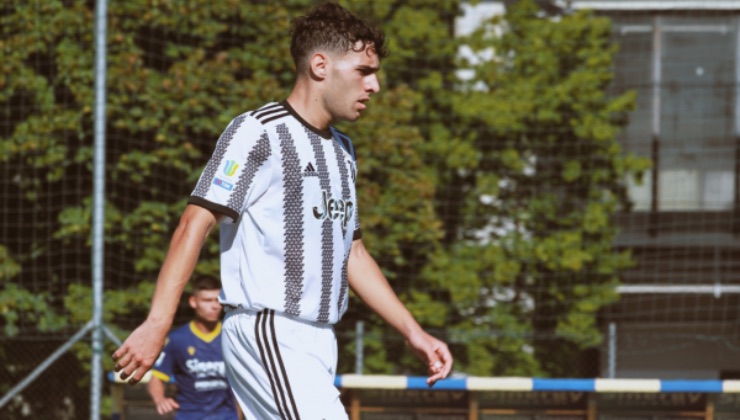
(530, 261)
(178, 72)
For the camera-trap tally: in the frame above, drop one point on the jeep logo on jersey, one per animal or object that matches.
(230, 167)
(334, 209)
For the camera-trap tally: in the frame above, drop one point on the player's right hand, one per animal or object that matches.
(167, 405)
(139, 352)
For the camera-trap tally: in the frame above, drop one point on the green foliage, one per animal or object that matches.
(16, 302)
(549, 178)
(514, 261)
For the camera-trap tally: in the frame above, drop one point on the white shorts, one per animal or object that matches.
(281, 367)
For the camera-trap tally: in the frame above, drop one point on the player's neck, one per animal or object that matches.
(205, 326)
(307, 102)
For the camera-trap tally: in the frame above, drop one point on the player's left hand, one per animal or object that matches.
(166, 406)
(434, 353)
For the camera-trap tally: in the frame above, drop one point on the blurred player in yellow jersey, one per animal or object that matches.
(193, 357)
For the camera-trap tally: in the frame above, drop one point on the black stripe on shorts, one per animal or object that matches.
(272, 360)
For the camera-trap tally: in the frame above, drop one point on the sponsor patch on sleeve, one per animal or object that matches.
(223, 184)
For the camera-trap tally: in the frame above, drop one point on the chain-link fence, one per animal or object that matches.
(551, 190)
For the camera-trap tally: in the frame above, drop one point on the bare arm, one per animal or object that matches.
(369, 283)
(141, 349)
(156, 391)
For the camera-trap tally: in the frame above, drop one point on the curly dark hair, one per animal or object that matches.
(330, 27)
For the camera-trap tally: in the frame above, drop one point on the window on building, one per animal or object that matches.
(684, 70)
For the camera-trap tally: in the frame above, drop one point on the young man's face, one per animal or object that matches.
(352, 79)
(206, 306)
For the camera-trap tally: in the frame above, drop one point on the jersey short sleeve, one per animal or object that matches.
(235, 174)
(165, 364)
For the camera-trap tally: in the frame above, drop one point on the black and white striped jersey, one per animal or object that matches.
(287, 190)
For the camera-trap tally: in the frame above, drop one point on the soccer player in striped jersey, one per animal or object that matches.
(281, 182)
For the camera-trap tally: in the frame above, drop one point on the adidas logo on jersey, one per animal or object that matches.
(310, 171)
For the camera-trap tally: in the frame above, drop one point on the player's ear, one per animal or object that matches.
(317, 66)
(191, 301)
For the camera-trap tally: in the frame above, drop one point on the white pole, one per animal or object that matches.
(98, 216)
(715, 289)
